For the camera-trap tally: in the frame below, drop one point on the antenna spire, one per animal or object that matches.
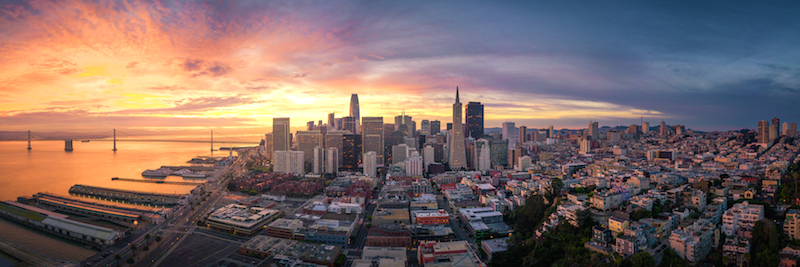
(457, 94)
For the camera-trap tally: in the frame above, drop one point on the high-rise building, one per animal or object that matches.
(633, 131)
(372, 135)
(281, 141)
(525, 162)
(335, 139)
(399, 153)
(662, 130)
(785, 129)
(333, 160)
(471, 156)
(499, 153)
(404, 124)
(425, 127)
(371, 164)
(793, 129)
(474, 114)
(586, 146)
(593, 131)
(513, 156)
(351, 144)
(288, 162)
(763, 132)
(349, 124)
(307, 141)
(483, 150)
(523, 135)
(355, 113)
(436, 127)
(268, 146)
(777, 123)
(509, 131)
(458, 157)
(773, 133)
(332, 120)
(428, 156)
(551, 133)
(645, 128)
(319, 160)
(310, 125)
(414, 164)
(339, 122)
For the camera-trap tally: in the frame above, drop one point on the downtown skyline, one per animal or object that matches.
(189, 65)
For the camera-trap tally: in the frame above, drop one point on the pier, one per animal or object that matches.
(127, 196)
(191, 168)
(153, 181)
(25, 255)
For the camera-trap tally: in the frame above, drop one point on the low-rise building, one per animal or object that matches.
(791, 225)
(439, 217)
(493, 247)
(692, 242)
(457, 253)
(391, 216)
(240, 220)
(389, 236)
(262, 246)
(741, 218)
(284, 228)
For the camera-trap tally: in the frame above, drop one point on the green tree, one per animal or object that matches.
(133, 249)
(146, 249)
(339, 261)
(642, 259)
(131, 261)
(158, 240)
(554, 190)
(640, 214)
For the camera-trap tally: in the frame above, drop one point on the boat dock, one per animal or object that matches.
(153, 181)
(191, 168)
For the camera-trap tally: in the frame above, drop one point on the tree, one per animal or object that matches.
(642, 259)
(554, 190)
(339, 260)
(147, 237)
(146, 249)
(158, 240)
(640, 214)
(726, 260)
(133, 249)
(131, 261)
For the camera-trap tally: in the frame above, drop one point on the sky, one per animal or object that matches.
(91, 66)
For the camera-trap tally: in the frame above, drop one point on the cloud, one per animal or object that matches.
(131, 64)
(194, 105)
(199, 67)
(76, 102)
(168, 88)
(58, 66)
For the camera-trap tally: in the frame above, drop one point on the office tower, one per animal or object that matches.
(388, 142)
(551, 133)
(679, 129)
(371, 164)
(310, 125)
(307, 141)
(399, 153)
(509, 130)
(499, 153)
(428, 156)
(483, 150)
(319, 160)
(288, 162)
(663, 129)
(404, 124)
(414, 164)
(349, 124)
(513, 157)
(436, 127)
(474, 114)
(355, 113)
(458, 157)
(332, 121)
(372, 135)
(777, 123)
(333, 160)
(281, 141)
(763, 132)
(793, 129)
(523, 135)
(593, 131)
(351, 144)
(339, 122)
(335, 139)
(425, 127)
(525, 162)
(633, 131)
(449, 127)
(469, 147)
(645, 128)
(268, 147)
(785, 129)
(586, 146)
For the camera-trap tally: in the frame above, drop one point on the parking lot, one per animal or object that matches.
(199, 250)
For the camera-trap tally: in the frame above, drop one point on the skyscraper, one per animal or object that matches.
(333, 160)
(425, 127)
(436, 127)
(474, 113)
(551, 132)
(510, 134)
(404, 124)
(593, 131)
(523, 135)
(319, 160)
(645, 127)
(349, 124)
(332, 120)
(785, 129)
(334, 139)
(288, 162)
(458, 157)
(268, 147)
(370, 164)
(793, 129)
(777, 123)
(307, 141)
(763, 132)
(355, 113)
(373, 136)
(663, 131)
(351, 145)
(280, 134)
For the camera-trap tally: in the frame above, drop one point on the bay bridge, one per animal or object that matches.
(126, 137)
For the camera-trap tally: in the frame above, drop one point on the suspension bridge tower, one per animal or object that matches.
(29, 140)
(115, 140)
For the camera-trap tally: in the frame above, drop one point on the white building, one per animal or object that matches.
(483, 151)
(428, 155)
(525, 162)
(319, 160)
(414, 165)
(741, 217)
(371, 164)
(586, 146)
(288, 162)
(694, 241)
